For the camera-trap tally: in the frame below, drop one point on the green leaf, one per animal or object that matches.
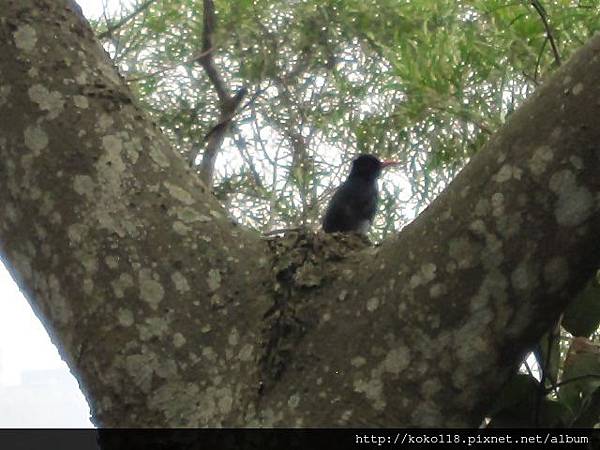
(521, 389)
(553, 414)
(582, 317)
(590, 414)
(419, 79)
(580, 381)
(519, 405)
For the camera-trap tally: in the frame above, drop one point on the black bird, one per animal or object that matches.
(353, 206)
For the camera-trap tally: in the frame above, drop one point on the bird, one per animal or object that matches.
(354, 204)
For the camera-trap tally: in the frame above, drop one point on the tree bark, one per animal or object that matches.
(171, 315)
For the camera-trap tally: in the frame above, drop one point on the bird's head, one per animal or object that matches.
(369, 167)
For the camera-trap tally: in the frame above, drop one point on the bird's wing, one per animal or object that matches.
(338, 216)
(333, 214)
(351, 208)
(366, 203)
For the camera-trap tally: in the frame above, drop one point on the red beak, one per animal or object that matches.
(389, 163)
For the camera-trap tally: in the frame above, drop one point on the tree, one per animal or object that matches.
(171, 314)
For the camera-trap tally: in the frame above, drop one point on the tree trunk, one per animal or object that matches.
(171, 315)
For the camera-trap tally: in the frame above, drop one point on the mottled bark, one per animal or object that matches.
(171, 315)
(136, 271)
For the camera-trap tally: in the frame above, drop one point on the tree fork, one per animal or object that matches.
(158, 302)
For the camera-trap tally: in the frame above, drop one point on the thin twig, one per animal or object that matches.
(171, 67)
(544, 16)
(539, 61)
(240, 143)
(572, 380)
(529, 371)
(283, 230)
(544, 367)
(252, 99)
(112, 28)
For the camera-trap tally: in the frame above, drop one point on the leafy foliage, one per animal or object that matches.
(582, 317)
(424, 82)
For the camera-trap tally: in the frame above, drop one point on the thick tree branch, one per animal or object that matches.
(128, 264)
(447, 309)
(519, 219)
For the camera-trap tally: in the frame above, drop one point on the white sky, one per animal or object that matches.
(92, 8)
(24, 344)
